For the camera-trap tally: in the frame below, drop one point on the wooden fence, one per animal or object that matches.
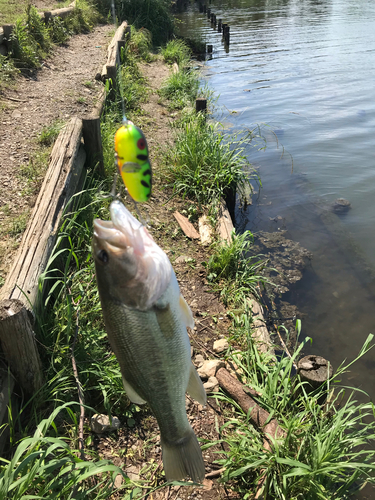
(78, 142)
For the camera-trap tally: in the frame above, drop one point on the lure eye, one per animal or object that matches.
(141, 143)
(103, 256)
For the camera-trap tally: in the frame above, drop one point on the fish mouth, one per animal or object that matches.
(106, 234)
(120, 233)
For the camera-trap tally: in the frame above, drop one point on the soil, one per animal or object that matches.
(63, 87)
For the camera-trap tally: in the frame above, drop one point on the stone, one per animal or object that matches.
(212, 385)
(102, 423)
(205, 230)
(199, 360)
(341, 206)
(209, 368)
(220, 345)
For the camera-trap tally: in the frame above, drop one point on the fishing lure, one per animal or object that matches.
(132, 161)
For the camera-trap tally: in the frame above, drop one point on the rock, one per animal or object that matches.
(212, 385)
(210, 367)
(199, 360)
(182, 259)
(341, 206)
(132, 472)
(220, 345)
(102, 423)
(205, 230)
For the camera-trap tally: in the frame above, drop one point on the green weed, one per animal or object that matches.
(327, 452)
(7, 69)
(49, 133)
(152, 15)
(176, 51)
(206, 164)
(233, 273)
(44, 466)
(19, 224)
(180, 88)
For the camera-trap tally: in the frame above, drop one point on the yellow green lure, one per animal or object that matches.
(132, 161)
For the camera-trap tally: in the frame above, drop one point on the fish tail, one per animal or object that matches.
(183, 458)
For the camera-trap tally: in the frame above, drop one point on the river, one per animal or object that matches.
(302, 72)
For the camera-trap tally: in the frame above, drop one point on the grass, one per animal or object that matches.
(32, 39)
(233, 273)
(46, 466)
(176, 51)
(152, 15)
(180, 89)
(49, 133)
(206, 164)
(327, 453)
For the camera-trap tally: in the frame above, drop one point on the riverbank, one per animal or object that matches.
(233, 449)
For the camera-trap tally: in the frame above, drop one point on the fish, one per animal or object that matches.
(131, 152)
(146, 317)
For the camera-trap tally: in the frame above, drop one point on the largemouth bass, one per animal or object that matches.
(146, 318)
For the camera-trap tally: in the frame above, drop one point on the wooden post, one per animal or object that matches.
(201, 104)
(226, 34)
(314, 370)
(7, 31)
(219, 25)
(18, 344)
(60, 182)
(223, 28)
(200, 8)
(208, 13)
(209, 49)
(110, 68)
(204, 9)
(93, 142)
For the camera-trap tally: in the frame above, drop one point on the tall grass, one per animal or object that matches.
(47, 466)
(176, 51)
(180, 88)
(206, 164)
(328, 450)
(153, 15)
(233, 272)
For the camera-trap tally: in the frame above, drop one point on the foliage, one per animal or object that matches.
(153, 15)
(180, 88)
(49, 133)
(43, 466)
(233, 272)
(32, 39)
(140, 44)
(205, 164)
(83, 18)
(176, 51)
(325, 454)
(7, 69)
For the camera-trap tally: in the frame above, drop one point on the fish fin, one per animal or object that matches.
(195, 386)
(183, 458)
(186, 313)
(132, 395)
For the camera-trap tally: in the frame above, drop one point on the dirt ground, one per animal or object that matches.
(63, 87)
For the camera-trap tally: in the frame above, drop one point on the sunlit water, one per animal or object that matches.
(304, 71)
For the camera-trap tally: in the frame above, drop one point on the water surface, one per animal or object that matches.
(304, 72)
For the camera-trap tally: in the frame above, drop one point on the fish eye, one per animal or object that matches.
(141, 143)
(103, 256)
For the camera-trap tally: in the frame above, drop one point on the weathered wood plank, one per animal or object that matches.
(18, 344)
(225, 224)
(110, 68)
(186, 226)
(39, 238)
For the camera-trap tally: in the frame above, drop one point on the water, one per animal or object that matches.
(304, 72)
